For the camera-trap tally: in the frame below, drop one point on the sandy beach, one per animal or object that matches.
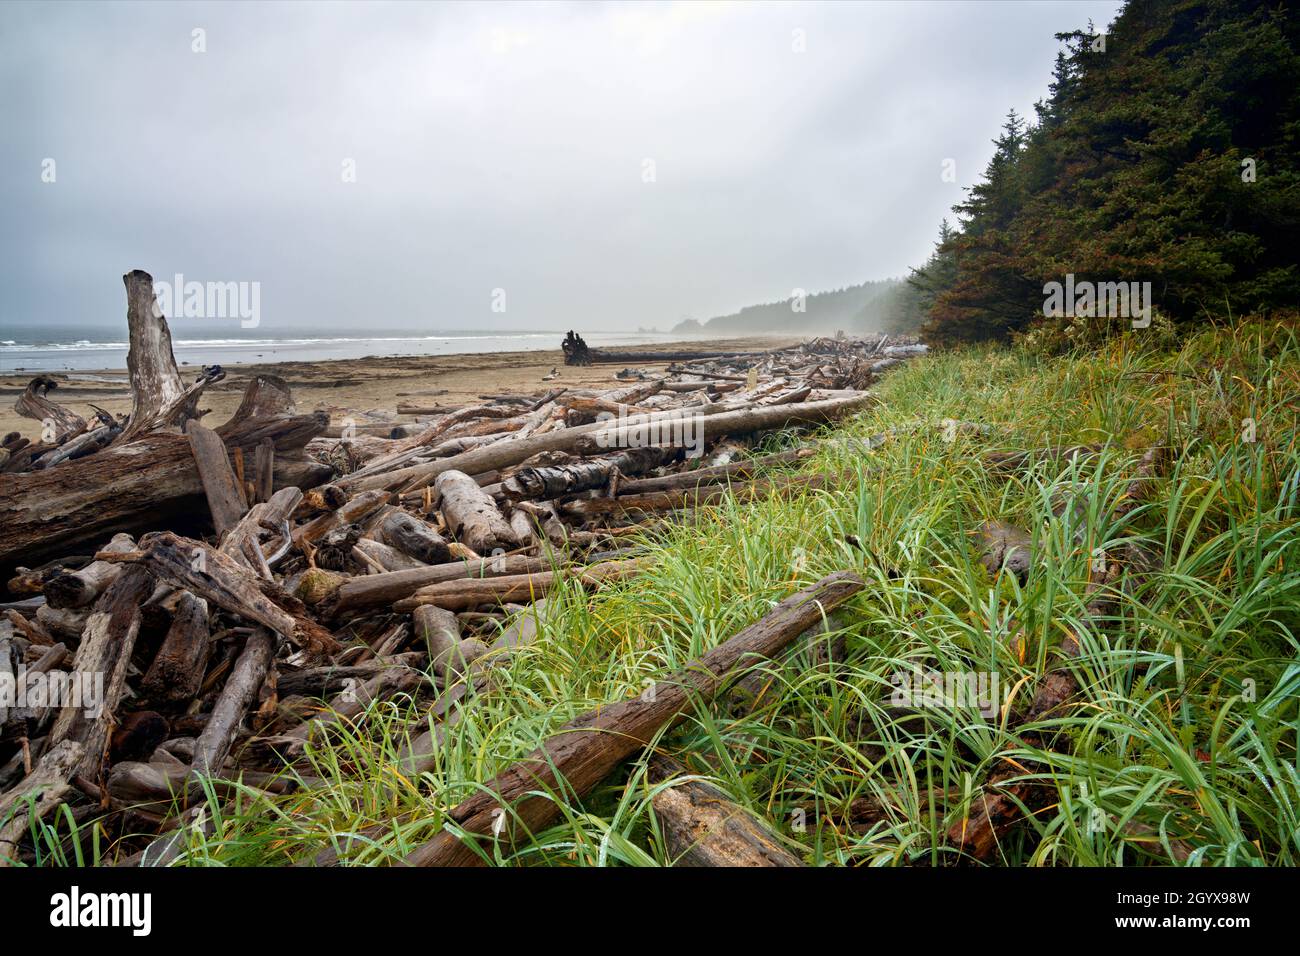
(368, 384)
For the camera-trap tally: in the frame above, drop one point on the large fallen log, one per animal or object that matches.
(376, 590)
(469, 593)
(132, 487)
(571, 762)
(709, 425)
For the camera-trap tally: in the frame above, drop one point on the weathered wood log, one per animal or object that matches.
(616, 434)
(263, 470)
(698, 477)
(220, 580)
(557, 480)
(350, 512)
(574, 760)
(342, 709)
(150, 362)
(127, 487)
(703, 827)
(376, 590)
(64, 624)
(225, 496)
(449, 654)
(692, 497)
(58, 424)
(176, 673)
(413, 537)
(73, 589)
(472, 515)
(241, 688)
(331, 678)
(48, 783)
(274, 513)
(381, 558)
(265, 396)
(471, 592)
(102, 660)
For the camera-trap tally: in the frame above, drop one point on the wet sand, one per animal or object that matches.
(372, 384)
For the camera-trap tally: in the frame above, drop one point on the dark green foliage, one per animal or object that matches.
(1136, 170)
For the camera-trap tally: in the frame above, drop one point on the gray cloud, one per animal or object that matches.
(496, 146)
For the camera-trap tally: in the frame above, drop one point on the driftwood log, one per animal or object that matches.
(132, 487)
(570, 763)
(701, 826)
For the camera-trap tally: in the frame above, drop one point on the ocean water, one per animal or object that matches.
(30, 349)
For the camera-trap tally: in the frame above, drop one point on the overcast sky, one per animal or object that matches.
(606, 165)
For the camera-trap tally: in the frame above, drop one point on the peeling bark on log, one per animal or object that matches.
(557, 480)
(578, 757)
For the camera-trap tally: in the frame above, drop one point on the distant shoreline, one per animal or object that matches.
(79, 351)
(376, 382)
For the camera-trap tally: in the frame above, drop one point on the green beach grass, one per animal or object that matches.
(1180, 749)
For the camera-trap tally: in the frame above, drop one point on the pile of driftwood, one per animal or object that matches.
(202, 590)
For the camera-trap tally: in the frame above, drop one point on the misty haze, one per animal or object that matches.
(631, 435)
